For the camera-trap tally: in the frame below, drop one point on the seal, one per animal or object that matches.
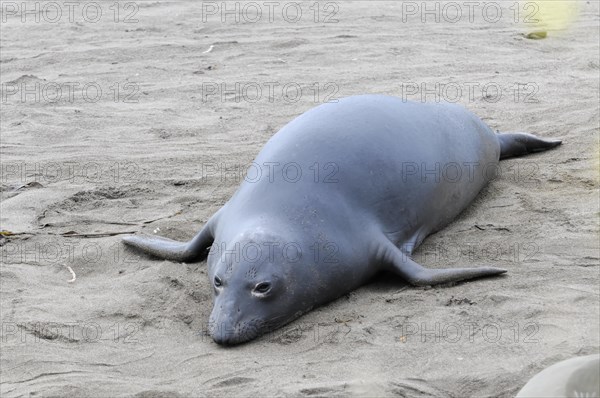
(343, 191)
(574, 377)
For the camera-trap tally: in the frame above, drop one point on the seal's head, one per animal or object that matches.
(255, 283)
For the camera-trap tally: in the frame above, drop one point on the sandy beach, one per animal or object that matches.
(141, 117)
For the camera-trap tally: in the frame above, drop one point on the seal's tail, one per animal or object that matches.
(517, 144)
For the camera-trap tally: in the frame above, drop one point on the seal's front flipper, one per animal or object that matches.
(517, 144)
(194, 250)
(400, 263)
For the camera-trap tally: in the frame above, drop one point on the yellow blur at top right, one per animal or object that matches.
(551, 15)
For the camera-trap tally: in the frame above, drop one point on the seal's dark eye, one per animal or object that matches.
(262, 287)
(218, 281)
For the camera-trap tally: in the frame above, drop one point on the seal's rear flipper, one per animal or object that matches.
(194, 250)
(400, 263)
(517, 144)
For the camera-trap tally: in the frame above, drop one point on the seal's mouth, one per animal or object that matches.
(228, 334)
